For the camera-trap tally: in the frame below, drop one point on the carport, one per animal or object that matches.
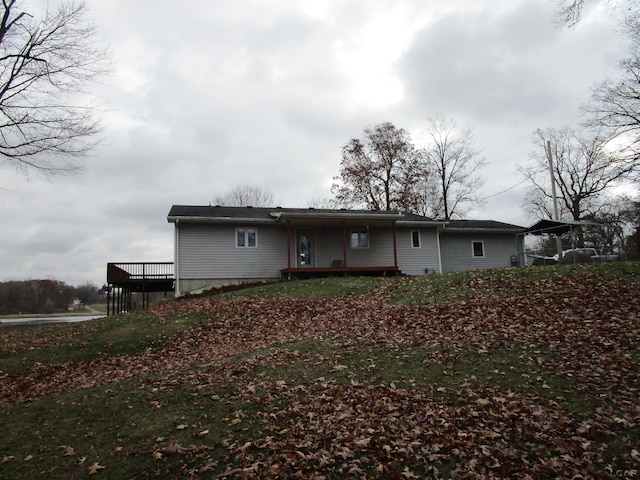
(553, 227)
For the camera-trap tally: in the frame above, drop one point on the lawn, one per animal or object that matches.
(512, 373)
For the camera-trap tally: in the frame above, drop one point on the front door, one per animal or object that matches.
(306, 253)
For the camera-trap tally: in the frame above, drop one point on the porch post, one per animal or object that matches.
(395, 250)
(344, 245)
(289, 249)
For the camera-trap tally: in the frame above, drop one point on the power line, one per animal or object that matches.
(506, 190)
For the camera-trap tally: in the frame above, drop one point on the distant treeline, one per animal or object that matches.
(43, 296)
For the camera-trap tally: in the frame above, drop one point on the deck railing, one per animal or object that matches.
(127, 279)
(134, 271)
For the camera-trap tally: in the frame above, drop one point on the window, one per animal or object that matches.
(415, 238)
(246, 237)
(478, 249)
(359, 239)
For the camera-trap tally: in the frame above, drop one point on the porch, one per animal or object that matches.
(320, 245)
(126, 278)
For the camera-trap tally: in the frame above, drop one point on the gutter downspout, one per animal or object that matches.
(344, 246)
(395, 249)
(438, 243)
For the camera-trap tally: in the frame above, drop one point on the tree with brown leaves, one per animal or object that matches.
(380, 171)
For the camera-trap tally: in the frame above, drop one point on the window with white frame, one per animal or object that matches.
(415, 238)
(246, 237)
(359, 239)
(477, 248)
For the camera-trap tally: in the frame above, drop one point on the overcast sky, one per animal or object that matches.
(207, 94)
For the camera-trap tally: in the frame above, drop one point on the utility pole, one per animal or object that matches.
(553, 193)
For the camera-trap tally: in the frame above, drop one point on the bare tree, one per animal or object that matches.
(380, 171)
(45, 122)
(583, 170)
(570, 11)
(322, 202)
(455, 164)
(607, 234)
(538, 202)
(615, 106)
(615, 103)
(245, 196)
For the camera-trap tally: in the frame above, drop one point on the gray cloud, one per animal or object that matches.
(206, 95)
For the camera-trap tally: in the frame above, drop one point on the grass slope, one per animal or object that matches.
(514, 373)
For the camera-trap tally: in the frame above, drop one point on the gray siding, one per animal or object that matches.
(207, 255)
(457, 254)
(210, 252)
(418, 261)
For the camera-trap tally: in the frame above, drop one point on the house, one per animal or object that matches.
(217, 246)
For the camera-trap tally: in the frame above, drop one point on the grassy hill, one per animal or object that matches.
(515, 373)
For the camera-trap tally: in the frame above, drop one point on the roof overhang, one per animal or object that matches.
(338, 216)
(297, 217)
(323, 218)
(195, 219)
(418, 223)
(481, 230)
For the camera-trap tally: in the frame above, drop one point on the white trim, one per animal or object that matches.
(473, 250)
(419, 238)
(246, 237)
(223, 220)
(359, 231)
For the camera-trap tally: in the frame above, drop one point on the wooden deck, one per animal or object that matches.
(316, 272)
(141, 276)
(126, 278)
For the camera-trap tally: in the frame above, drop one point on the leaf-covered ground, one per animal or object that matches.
(519, 379)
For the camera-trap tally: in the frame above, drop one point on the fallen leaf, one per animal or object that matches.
(95, 468)
(68, 451)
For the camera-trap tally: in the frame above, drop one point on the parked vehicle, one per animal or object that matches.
(591, 252)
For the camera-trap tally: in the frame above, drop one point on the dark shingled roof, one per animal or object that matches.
(481, 225)
(218, 213)
(262, 213)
